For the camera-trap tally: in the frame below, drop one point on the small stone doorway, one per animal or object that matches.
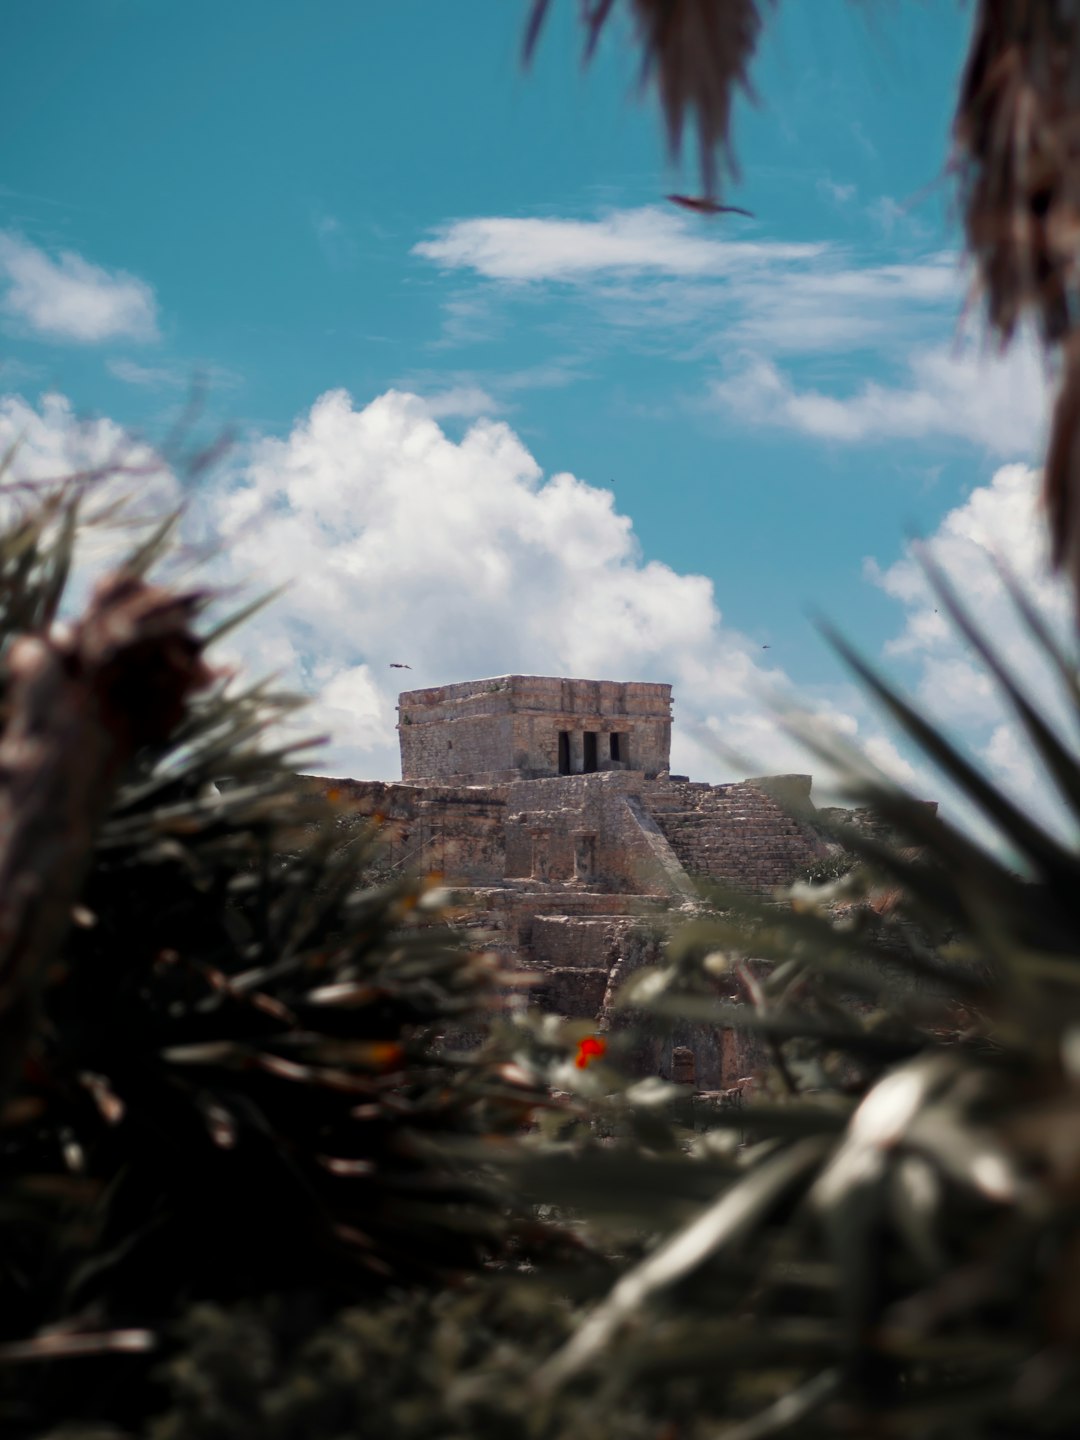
(564, 752)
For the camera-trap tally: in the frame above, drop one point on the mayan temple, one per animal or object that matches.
(549, 804)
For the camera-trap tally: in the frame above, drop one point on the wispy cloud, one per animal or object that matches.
(840, 304)
(474, 393)
(7, 193)
(836, 191)
(647, 240)
(462, 402)
(173, 376)
(552, 375)
(468, 319)
(16, 372)
(67, 298)
(779, 325)
(690, 292)
(896, 218)
(152, 377)
(997, 403)
(334, 240)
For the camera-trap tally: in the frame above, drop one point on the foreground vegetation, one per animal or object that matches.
(251, 1185)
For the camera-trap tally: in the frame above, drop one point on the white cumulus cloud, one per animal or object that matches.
(461, 560)
(49, 443)
(1001, 519)
(68, 298)
(458, 558)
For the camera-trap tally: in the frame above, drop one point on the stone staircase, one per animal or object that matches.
(737, 832)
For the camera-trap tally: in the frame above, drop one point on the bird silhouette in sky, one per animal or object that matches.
(399, 665)
(702, 205)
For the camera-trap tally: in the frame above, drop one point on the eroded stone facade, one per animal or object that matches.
(533, 727)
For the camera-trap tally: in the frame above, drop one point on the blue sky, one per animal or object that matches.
(292, 200)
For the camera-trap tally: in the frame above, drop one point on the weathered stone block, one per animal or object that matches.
(576, 993)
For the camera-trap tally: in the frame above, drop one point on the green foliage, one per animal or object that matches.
(422, 1367)
(884, 1241)
(453, 1365)
(831, 868)
(893, 1248)
(244, 1139)
(239, 1085)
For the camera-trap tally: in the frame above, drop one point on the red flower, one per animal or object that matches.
(589, 1049)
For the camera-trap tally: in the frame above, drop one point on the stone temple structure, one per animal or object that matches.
(529, 727)
(548, 803)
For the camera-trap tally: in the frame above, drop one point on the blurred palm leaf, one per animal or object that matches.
(240, 1083)
(698, 52)
(923, 1234)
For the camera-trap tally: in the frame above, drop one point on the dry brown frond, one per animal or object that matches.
(80, 703)
(1061, 472)
(1017, 154)
(1017, 144)
(698, 51)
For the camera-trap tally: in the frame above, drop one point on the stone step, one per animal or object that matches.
(573, 942)
(577, 993)
(725, 815)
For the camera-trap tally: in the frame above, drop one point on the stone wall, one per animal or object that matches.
(458, 831)
(589, 830)
(721, 1058)
(532, 727)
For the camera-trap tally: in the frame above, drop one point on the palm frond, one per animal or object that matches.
(698, 54)
(1017, 155)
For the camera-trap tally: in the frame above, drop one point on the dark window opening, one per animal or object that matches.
(620, 750)
(564, 752)
(590, 752)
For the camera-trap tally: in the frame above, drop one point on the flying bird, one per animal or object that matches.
(704, 206)
(397, 665)
(766, 647)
